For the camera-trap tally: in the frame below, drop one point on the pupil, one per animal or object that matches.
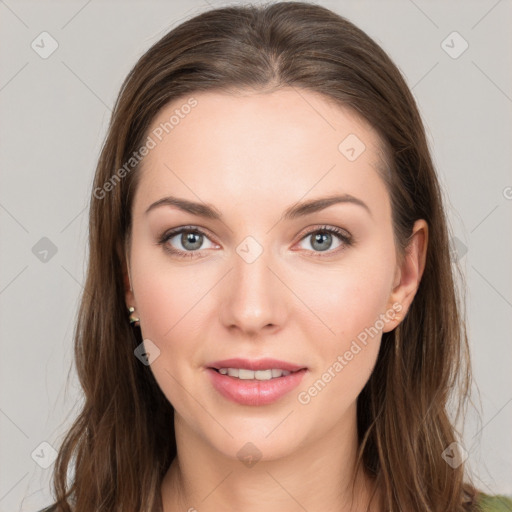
(189, 238)
(322, 237)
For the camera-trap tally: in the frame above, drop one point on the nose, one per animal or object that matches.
(254, 298)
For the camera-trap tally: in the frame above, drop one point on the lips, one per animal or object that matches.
(252, 391)
(255, 364)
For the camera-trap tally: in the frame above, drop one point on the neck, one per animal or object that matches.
(318, 476)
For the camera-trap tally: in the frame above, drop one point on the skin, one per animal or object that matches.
(252, 155)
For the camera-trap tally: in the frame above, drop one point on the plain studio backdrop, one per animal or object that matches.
(62, 64)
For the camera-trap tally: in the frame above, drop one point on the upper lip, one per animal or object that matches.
(255, 364)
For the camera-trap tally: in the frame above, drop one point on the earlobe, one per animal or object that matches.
(410, 272)
(129, 296)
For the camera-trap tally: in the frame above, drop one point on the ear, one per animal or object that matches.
(408, 273)
(128, 292)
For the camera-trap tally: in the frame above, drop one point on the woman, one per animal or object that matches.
(300, 352)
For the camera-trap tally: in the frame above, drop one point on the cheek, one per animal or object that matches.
(352, 300)
(172, 316)
(351, 348)
(165, 291)
(350, 297)
(351, 306)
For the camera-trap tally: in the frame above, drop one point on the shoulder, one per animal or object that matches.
(497, 503)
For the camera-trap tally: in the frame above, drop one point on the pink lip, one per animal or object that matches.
(260, 364)
(252, 391)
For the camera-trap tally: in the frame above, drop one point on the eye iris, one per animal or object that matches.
(188, 236)
(322, 237)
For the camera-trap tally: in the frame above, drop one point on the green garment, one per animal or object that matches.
(497, 503)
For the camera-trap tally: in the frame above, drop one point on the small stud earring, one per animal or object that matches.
(133, 319)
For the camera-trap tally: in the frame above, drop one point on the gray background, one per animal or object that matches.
(54, 115)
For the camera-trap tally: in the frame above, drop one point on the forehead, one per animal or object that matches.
(259, 147)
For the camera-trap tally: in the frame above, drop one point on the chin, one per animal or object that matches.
(262, 439)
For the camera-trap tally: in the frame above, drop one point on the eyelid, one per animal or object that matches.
(343, 235)
(325, 227)
(345, 238)
(171, 233)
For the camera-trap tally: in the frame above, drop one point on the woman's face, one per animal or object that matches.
(252, 282)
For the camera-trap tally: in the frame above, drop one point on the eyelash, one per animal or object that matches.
(346, 239)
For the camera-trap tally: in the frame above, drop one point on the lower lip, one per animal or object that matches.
(255, 392)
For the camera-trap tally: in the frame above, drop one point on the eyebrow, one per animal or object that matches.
(293, 212)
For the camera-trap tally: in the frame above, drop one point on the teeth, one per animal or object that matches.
(244, 374)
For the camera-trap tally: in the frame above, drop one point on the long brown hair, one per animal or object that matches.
(119, 448)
